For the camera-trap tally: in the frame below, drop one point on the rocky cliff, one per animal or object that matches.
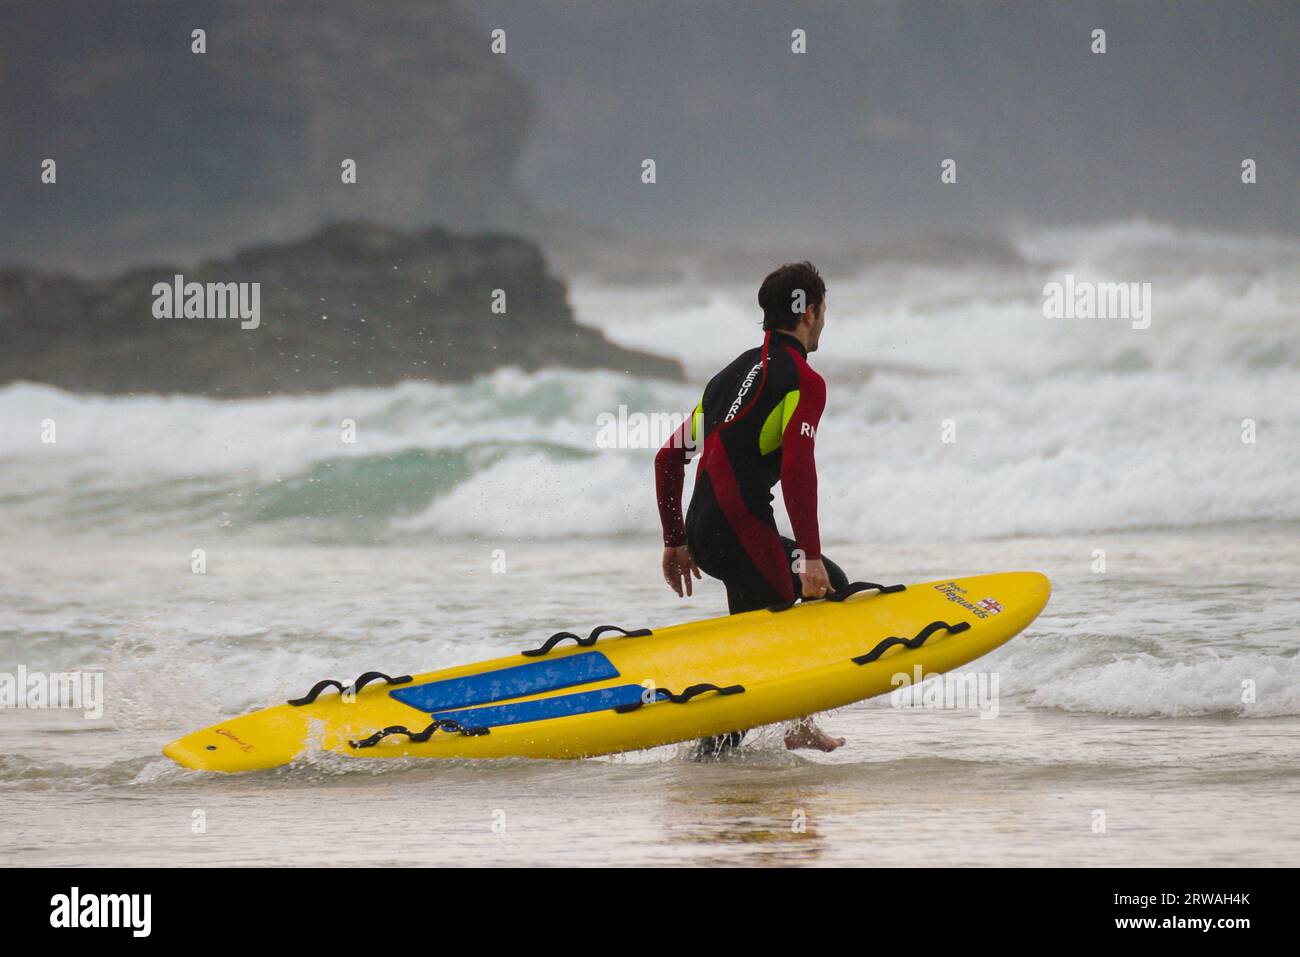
(353, 305)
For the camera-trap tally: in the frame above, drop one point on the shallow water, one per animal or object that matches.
(1159, 697)
(1123, 698)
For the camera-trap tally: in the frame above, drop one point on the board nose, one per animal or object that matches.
(183, 755)
(220, 750)
(1038, 589)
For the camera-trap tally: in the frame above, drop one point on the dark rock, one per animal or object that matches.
(354, 305)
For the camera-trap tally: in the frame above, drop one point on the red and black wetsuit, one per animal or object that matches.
(755, 426)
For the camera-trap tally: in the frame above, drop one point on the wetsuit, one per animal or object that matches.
(756, 425)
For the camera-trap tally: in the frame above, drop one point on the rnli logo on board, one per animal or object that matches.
(244, 745)
(991, 606)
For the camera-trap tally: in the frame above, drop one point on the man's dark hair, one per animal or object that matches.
(776, 295)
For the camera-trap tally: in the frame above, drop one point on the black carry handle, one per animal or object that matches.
(419, 737)
(356, 686)
(663, 694)
(915, 642)
(587, 642)
(850, 589)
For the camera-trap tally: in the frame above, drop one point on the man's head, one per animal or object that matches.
(793, 299)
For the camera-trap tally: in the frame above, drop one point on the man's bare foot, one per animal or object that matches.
(807, 735)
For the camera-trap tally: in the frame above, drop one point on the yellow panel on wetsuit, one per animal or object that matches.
(769, 437)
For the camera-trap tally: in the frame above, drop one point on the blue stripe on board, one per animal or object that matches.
(561, 706)
(504, 683)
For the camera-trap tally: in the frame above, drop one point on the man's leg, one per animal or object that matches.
(722, 556)
(805, 733)
(745, 592)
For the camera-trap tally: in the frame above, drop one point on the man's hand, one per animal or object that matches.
(813, 579)
(678, 567)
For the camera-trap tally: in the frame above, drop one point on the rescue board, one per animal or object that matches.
(615, 689)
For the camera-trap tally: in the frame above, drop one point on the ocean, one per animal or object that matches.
(208, 557)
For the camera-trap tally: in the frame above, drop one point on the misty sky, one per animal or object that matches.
(165, 155)
(845, 141)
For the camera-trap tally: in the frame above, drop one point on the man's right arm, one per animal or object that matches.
(670, 478)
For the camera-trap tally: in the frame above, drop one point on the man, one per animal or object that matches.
(755, 426)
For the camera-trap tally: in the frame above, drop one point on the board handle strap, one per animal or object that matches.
(663, 694)
(837, 596)
(419, 737)
(353, 688)
(586, 642)
(914, 642)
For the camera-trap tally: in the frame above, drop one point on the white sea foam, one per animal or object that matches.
(1060, 425)
(1144, 685)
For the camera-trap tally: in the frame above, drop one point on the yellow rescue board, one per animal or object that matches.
(774, 666)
